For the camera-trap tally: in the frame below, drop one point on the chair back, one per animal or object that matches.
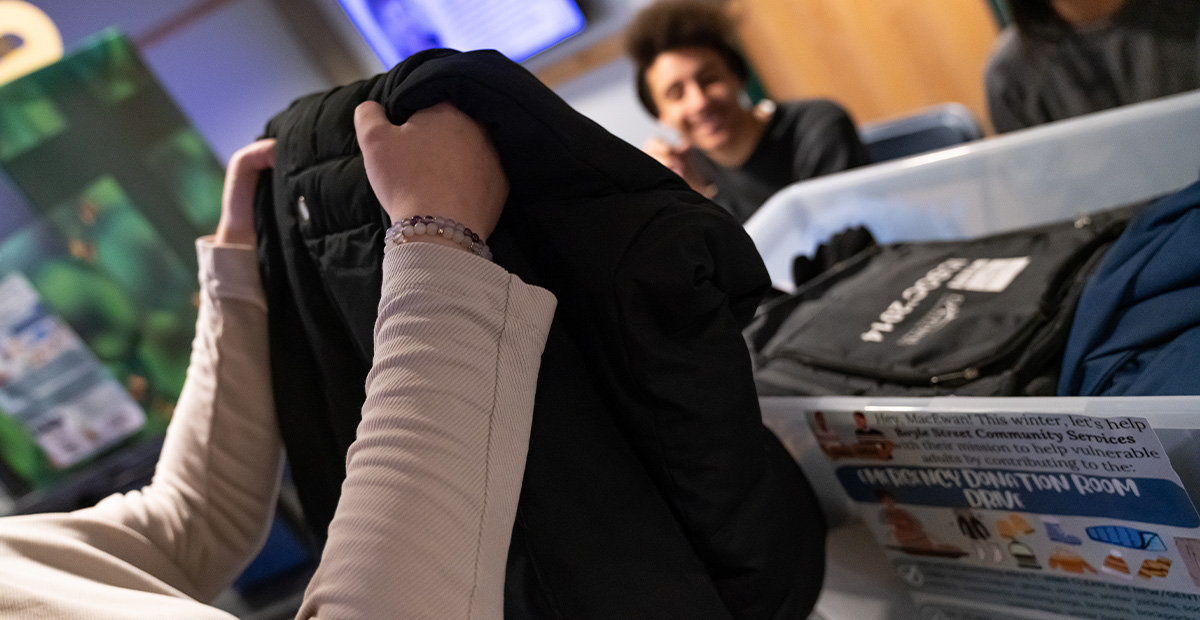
(937, 127)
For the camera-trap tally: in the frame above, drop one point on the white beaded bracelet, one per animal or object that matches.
(409, 227)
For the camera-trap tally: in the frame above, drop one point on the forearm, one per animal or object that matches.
(214, 490)
(426, 511)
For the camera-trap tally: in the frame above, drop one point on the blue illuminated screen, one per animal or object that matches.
(396, 29)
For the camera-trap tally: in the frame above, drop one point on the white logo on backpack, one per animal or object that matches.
(942, 313)
(989, 275)
(912, 297)
(984, 275)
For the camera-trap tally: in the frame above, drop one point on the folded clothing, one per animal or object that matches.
(1137, 326)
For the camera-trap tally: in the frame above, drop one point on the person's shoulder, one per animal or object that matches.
(812, 106)
(1162, 9)
(822, 136)
(811, 112)
(1007, 45)
(1015, 63)
(1170, 18)
(1006, 52)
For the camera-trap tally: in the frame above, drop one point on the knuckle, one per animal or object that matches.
(372, 135)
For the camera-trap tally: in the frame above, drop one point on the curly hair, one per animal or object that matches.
(675, 24)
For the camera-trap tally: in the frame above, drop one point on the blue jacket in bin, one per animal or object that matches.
(1137, 326)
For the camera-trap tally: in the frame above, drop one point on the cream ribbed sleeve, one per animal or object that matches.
(188, 534)
(427, 508)
(426, 512)
(209, 507)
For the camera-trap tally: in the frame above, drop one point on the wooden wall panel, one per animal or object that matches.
(879, 58)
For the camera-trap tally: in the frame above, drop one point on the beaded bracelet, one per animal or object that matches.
(409, 227)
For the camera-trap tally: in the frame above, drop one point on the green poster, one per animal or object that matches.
(122, 186)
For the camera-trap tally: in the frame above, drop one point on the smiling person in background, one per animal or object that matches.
(691, 77)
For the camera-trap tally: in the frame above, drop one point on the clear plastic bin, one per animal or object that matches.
(1029, 177)
(1026, 178)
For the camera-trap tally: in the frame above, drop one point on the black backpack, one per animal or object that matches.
(981, 317)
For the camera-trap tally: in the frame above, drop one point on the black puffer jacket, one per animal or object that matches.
(652, 489)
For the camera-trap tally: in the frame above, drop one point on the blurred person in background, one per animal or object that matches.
(1064, 58)
(692, 78)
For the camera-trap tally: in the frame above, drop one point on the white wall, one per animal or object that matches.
(229, 71)
(606, 94)
(79, 19)
(234, 68)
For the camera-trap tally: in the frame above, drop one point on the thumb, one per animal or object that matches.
(369, 117)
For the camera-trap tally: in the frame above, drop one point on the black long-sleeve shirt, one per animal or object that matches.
(1147, 50)
(803, 139)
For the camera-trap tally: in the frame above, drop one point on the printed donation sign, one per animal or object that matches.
(1002, 516)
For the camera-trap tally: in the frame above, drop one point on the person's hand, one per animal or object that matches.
(237, 199)
(440, 163)
(676, 158)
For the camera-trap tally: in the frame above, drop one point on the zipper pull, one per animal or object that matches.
(967, 374)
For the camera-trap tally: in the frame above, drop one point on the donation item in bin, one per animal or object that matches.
(1007, 516)
(104, 187)
(978, 317)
